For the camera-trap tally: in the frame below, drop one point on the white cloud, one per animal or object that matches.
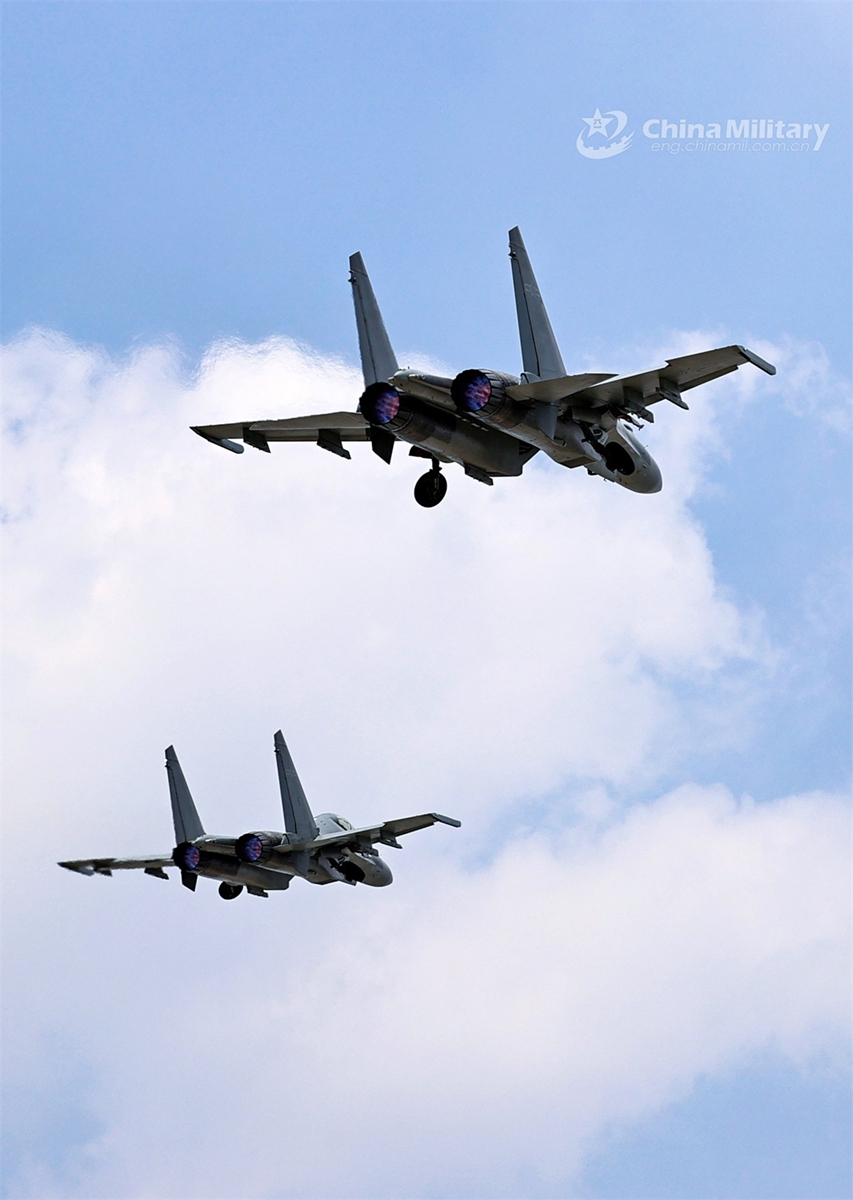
(809, 385)
(467, 1030)
(507, 635)
(550, 637)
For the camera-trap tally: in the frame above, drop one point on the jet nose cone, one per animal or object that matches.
(383, 874)
(647, 479)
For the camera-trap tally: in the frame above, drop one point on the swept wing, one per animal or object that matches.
(387, 832)
(687, 372)
(659, 383)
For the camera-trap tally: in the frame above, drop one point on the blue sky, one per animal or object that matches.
(176, 174)
(204, 170)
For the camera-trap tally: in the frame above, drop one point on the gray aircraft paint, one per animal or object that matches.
(321, 850)
(298, 819)
(188, 827)
(377, 358)
(540, 354)
(577, 420)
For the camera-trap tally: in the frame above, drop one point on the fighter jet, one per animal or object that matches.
(325, 849)
(488, 422)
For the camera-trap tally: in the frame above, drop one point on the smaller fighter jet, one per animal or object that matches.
(323, 849)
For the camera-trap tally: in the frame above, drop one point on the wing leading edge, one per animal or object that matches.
(659, 383)
(387, 832)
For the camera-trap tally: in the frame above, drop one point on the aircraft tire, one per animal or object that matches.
(430, 489)
(230, 891)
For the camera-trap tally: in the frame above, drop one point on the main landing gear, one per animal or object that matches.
(230, 891)
(431, 488)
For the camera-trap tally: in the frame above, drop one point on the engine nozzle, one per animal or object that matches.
(380, 403)
(256, 847)
(471, 391)
(187, 856)
(484, 393)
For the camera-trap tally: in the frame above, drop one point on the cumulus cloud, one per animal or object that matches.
(468, 1034)
(508, 634)
(552, 641)
(813, 388)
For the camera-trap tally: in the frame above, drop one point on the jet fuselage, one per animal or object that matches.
(504, 434)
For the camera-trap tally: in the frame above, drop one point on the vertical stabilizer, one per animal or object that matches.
(298, 818)
(187, 825)
(540, 354)
(377, 358)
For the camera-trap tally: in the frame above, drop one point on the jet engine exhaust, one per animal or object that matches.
(256, 847)
(471, 391)
(380, 403)
(484, 393)
(187, 856)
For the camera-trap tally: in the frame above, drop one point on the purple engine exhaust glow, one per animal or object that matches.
(249, 848)
(256, 847)
(380, 403)
(471, 391)
(186, 856)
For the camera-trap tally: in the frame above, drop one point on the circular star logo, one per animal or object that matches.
(604, 144)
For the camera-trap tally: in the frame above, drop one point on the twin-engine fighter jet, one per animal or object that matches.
(489, 422)
(325, 849)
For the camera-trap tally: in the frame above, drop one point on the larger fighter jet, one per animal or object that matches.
(323, 849)
(488, 422)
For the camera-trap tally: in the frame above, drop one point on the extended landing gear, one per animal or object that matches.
(431, 488)
(230, 891)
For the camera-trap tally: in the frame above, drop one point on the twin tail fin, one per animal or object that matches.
(540, 354)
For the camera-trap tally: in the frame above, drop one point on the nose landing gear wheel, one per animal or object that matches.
(230, 891)
(431, 488)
